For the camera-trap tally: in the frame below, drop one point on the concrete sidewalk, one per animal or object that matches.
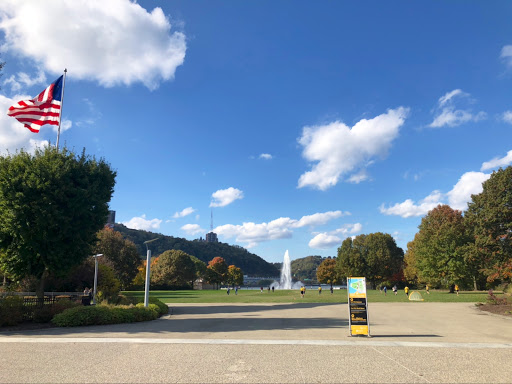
(274, 343)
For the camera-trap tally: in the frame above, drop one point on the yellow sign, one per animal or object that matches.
(357, 306)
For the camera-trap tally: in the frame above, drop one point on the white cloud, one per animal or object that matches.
(192, 229)
(22, 79)
(408, 208)
(458, 197)
(506, 55)
(327, 240)
(507, 117)
(498, 162)
(447, 114)
(356, 178)
(469, 184)
(143, 223)
(113, 42)
(324, 241)
(280, 228)
(224, 197)
(339, 149)
(13, 135)
(318, 218)
(266, 156)
(185, 212)
(349, 229)
(64, 126)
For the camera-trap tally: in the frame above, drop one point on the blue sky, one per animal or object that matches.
(297, 123)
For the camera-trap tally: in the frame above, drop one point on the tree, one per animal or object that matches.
(173, 269)
(52, 204)
(199, 266)
(235, 276)
(327, 272)
(375, 256)
(118, 253)
(489, 216)
(410, 267)
(350, 261)
(216, 271)
(438, 248)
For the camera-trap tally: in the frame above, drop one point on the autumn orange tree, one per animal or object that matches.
(326, 272)
(217, 270)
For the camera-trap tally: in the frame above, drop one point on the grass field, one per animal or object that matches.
(293, 296)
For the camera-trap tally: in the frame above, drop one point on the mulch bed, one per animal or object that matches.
(505, 310)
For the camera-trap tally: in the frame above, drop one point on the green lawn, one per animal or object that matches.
(293, 296)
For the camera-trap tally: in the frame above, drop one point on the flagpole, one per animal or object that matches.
(61, 105)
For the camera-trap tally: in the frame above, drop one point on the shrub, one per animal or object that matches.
(11, 310)
(45, 313)
(103, 314)
(163, 309)
(494, 300)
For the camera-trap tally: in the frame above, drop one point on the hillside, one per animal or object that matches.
(251, 264)
(304, 269)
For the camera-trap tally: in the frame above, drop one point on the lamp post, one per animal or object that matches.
(148, 267)
(95, 277)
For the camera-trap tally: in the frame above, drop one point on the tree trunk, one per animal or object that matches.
(474, 284)
(40, 288)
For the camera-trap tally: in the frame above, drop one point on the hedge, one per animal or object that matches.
(105, 314)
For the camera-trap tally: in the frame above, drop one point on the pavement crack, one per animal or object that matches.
(400, 364)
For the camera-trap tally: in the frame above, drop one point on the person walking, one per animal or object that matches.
(302, 291)
(406, 290)
(427, 289)
(332, 290)
(228, 290)
(457, 289)
(319, 290)
(236, 290)
(385, 289)
(395, 290)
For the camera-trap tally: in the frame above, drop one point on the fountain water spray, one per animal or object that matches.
(286, 273)
(285, 282)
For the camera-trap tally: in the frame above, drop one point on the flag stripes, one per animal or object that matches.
(43, 109)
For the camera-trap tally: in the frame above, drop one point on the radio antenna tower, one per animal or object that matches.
(211, 222)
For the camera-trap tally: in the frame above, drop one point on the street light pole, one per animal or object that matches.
(148, 267)
(95, 277)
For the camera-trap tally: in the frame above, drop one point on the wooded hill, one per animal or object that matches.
(251, 264)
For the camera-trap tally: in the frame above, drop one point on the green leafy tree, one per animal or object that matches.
(52, 204)
(173, 269)
(327, 272)
(199, 266)
(375, 256)
(489, 216)
(118, 253)
(216, 272)
(235, 276)
(438, 248)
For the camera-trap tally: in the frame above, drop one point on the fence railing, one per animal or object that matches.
(33, 304)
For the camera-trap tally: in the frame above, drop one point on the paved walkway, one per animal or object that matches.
(274, 343)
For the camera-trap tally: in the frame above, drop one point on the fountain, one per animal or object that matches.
(285, 282)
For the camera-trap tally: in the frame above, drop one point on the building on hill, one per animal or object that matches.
(211, 237)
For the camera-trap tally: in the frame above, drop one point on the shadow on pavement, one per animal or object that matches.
(224, 318)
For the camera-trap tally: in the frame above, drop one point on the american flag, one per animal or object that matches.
(42, 109)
